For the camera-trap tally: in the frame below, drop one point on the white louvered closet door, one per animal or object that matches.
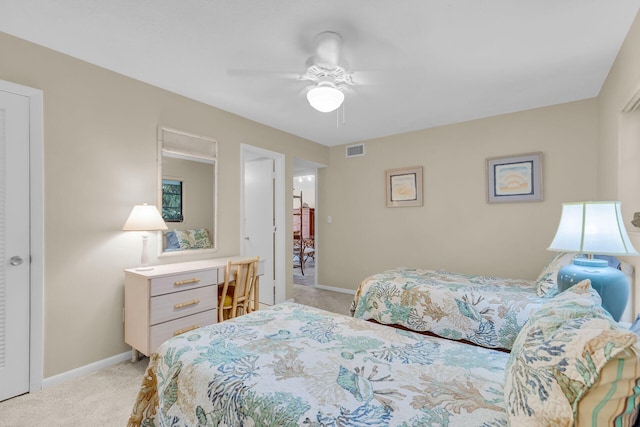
(14, 245)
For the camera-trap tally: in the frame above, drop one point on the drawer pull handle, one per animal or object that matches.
(186, 304)
(186, 282)
(182, 331)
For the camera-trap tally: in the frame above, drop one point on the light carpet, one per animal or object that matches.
(105, 398)
(101, 398)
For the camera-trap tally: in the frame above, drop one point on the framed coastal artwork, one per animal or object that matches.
(403, 187)
(514, 178)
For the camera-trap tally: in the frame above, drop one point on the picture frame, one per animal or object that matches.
(403, 187)
(515, 178)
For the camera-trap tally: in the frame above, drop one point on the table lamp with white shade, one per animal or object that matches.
(144, 218)
(595, 228)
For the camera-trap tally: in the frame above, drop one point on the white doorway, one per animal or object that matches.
(263, 221)
(629, 186)
(304, 203)
(21, 239)
(305, 175)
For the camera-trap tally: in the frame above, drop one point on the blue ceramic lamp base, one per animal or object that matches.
(611, 283)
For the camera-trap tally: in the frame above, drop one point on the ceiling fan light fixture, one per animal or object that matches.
(325, 97)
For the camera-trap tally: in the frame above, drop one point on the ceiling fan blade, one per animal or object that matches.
(236, 72)
(346, 88)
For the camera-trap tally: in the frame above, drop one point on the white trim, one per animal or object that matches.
(36, 165)
(328, 288)
(633, 103)
(334, 289)
(279, 207)
(627, 112)
(87, 369)
(160, 152)
(36, 190)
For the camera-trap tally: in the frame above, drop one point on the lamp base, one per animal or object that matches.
(611, 283)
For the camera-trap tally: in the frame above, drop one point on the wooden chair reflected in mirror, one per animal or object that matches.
(237, 294)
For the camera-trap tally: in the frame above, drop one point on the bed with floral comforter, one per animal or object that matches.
(571, 365)
(293, 365)
(487, 311)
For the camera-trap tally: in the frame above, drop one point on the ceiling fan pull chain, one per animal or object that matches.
(344, 120)
(344, 113)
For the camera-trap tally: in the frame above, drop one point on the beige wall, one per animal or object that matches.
(456, 229)
(100, 159)
(619, 143)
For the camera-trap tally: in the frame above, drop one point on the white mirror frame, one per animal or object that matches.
(213, 159)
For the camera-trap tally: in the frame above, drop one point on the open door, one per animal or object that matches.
(263, 221)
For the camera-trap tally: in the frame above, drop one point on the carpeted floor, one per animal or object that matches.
(309, 276)
(104, 398)
(327, 300)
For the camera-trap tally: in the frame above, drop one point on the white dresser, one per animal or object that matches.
(169, 300)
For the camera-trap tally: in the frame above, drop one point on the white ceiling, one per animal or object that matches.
(429, 62)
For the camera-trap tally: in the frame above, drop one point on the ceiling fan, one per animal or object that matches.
(328, 72)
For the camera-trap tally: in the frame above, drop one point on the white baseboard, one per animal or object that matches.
(84, 370)
(334, 289)
(330, 288)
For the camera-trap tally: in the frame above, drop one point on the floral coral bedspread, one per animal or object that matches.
(293, 365)
(488, 311)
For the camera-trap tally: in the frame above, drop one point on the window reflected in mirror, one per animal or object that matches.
(172, 200)
(187, 191)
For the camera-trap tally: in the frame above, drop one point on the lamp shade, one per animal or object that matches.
(144, 218)
(592, 228)
(325, 97)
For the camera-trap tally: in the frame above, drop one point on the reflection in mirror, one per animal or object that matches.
(187, 192)
(171, 199)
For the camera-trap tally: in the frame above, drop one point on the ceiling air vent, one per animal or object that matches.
(355, 150)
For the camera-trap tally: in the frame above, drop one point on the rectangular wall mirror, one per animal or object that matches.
(187, 192)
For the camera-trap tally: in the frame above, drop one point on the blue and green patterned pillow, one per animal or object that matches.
(547, 281)
(193, 239)
(172, 240)
(572, 364)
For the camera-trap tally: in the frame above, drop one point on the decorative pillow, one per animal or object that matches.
(559, 358)
(172, 240)
(548, 278)
(580, 300)
(193, 239)
(613, 400)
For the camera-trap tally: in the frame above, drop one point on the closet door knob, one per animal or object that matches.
(15, 261)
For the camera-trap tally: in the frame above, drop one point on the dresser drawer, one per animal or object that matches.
(162, 332)
(183, 281)
(185, 303)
